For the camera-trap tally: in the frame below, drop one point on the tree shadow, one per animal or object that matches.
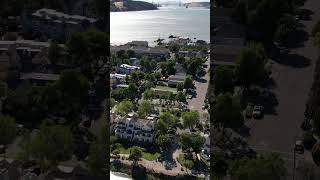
(244, 131)
(269, 83)
(201, 80)
(294, 60)
(298, 39)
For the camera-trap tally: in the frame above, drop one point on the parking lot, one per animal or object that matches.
(292, 76)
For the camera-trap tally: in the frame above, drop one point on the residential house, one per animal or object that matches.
(127, 69)
(133, 128)
(141, 48)
(116, 79)
(39, 78)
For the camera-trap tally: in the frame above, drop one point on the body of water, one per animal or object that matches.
(150, 25)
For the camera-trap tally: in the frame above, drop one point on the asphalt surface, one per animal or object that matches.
(201, 86)
(293, 78)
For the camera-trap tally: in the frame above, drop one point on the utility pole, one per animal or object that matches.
(294, 163)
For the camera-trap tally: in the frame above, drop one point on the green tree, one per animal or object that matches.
(135, 153)
(168, 118)
(219, 165)
(308, 140)
(227, 112)
(148, 65)
(8, 130)
(145, 108)
(316, 154)
(285, 31)
(54, 53)
(188, 83)
(317, 40)
(163, 141)
(180, 97)
(223, 80)
(113, 103)
(192, 141)
(148, 94)
(97, 159)
(194, 66)
(316, 29)
(173, 47)
(180, 86)
(49, 146)
(190, 119)
(124, 107)
(266, 167)
(250, 68)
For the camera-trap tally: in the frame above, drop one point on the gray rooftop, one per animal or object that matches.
(55, 15)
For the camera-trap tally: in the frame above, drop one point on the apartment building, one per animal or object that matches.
(51, 24)
(133, 128)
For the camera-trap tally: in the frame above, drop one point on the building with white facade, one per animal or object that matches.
(127, 69)
(134, 129)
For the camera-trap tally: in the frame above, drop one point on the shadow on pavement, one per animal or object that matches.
(294, 60)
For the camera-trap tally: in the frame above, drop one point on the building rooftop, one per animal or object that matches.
(55, 15)
(39, 76)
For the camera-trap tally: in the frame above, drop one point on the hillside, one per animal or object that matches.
(198, 4)
(129, 5)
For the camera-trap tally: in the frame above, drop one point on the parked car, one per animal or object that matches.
(299, 148)
(257, 111)
(249, 110)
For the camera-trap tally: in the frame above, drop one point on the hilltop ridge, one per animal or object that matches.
(128, 5)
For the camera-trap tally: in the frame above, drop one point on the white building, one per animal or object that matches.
(134, 129)
(128, 69)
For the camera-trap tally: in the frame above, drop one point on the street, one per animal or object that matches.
(293, 77)
(201, 86)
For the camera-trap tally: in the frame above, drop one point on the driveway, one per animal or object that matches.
(293, 78)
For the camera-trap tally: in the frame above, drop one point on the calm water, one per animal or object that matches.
(150, 25)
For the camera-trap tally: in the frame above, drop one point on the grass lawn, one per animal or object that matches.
(146, 155)
(166, 88)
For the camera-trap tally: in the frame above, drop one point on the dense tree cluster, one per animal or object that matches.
(227, 112)
(49, 146)
(255, 14)
(266, 167)
(192, 142)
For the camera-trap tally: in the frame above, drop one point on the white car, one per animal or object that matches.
(257, 111)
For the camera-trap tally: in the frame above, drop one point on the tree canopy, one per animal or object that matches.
(190, 119)
(266, 167)
(192, 141)
(227, 112)
(50, 145)
(223, 80)
(8, 130)
(124, 107)
(250, 67)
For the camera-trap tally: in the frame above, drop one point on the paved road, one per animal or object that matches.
(197, 102)
(293, 79)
